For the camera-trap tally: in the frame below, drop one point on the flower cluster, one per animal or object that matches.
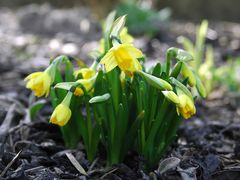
(117, 99)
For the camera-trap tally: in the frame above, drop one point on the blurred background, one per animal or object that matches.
(32, 32)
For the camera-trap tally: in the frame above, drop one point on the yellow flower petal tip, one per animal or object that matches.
(125, 37)
(186, 106)
(39, 83)
(61, 115)
(124, 56)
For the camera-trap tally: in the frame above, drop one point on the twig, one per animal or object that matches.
(92, 165)
(34, 169)
(102, 177)
(10, 164)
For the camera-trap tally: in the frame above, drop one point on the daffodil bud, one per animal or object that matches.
(170, 95)
(99, 99)
(186, 106)
(155, 81)
(187, 73)
(39, 83)
(62, 112)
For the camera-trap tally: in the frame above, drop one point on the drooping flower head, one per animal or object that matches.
(62, 112)
(125, 56)
(61, 115)
(186, 106)
(39, 83)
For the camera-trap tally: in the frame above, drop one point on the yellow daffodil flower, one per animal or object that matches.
(39, 83)
(61, 115)
(87, 73)
(186, 106)
(124, 56)
(62, 112)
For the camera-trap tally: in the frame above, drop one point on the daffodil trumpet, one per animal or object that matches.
(186, 106)
(125, 56)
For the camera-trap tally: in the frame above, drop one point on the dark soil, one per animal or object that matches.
(208, 145)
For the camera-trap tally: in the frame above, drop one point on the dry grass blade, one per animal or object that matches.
(10, 164)
(76, 164)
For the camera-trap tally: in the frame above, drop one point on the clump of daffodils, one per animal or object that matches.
(116, 101)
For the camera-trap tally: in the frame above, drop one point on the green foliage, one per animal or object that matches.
(35, 108)
(203, 63)
(228, 75)
(151, 20)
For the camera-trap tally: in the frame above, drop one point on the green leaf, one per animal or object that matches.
(157, 70)
(133, 129)
(69, 75)
(176, 69)
(200, 87)
(201, 35)
(35, 108)
(99, 99)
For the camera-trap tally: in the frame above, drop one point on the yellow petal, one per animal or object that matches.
(125, 37)
(109, 61)
(133, 52)
(61, 115)
(33, 75)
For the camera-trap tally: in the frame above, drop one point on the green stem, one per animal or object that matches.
(89, 124)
